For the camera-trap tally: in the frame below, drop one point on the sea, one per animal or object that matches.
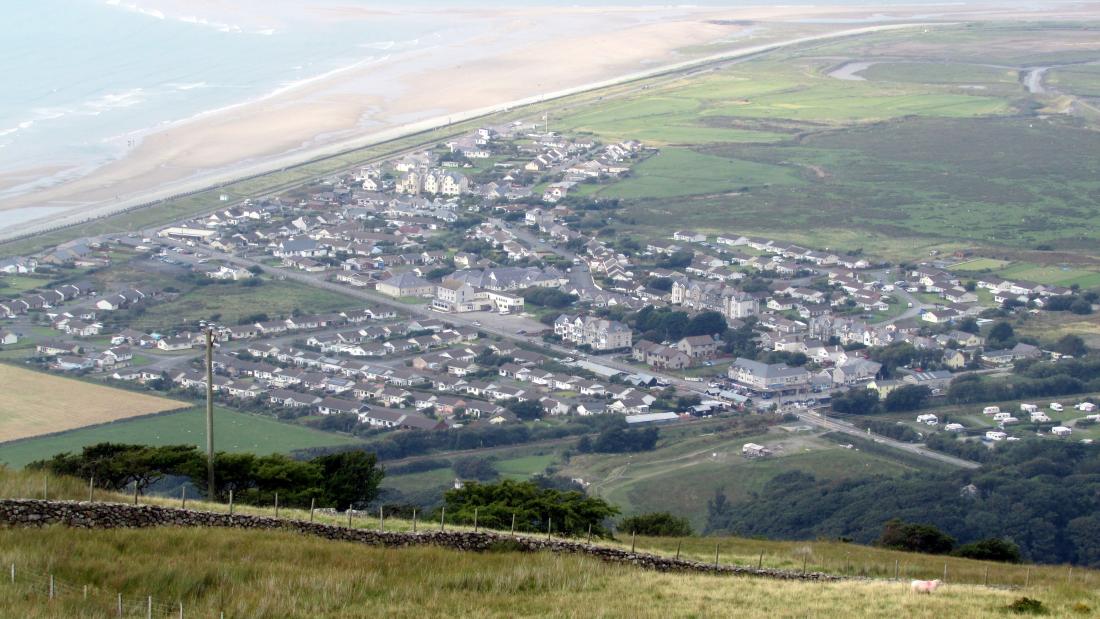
(85, 80)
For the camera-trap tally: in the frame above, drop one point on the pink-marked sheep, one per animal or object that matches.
(924, 586)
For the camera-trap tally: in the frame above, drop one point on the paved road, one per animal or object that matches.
(847, 428)
(536, 243)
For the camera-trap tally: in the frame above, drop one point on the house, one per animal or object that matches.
(1061, 431)
(596, 333)
(7, 338)
(406, 285)
(335, 406)
(753, 450)
(698, 346)
(768, 379)
(689, 236)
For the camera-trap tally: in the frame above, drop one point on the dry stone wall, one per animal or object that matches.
(36, 513)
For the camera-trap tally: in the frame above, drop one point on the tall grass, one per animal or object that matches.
(279, 574)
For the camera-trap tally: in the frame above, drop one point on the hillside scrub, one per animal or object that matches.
(1042, 497)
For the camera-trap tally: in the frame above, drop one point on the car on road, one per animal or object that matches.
(476, 323)
(521, 332)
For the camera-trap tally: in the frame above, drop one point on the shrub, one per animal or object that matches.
(656, 524)
(1026, 606)
(913, 537)
(990, 549)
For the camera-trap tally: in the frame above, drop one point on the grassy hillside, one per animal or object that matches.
(234, 431)
(272, 574)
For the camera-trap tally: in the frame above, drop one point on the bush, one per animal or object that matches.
(990, 549)
(656, 524)
(901, 535)
(1026, 606)
(474, 467)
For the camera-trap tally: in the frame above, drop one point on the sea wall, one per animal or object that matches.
(16, 513)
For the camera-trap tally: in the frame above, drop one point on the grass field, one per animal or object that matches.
(231, 302)
(980, 264)
(35, 403)
(1056, 275)
(275, 574)
(894, 167)
(234, 431)
(1081, 80)
(684, 472)
(15, 285)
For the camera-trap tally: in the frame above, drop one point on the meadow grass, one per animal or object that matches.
(280, 574)
(234, 431)
(36, 403)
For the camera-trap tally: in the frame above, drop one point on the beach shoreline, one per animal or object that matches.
(382, 101)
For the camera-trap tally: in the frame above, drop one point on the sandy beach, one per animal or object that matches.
(526, 55)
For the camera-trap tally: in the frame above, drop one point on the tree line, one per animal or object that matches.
(339, 480)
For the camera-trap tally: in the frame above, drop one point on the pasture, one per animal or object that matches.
(921, 155)
(234, 431)
(35, 403)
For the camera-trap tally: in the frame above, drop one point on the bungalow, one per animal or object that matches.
(406, 285)
(335, 406)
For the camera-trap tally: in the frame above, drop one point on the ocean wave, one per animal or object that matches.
(391, 45)
(114, 100)
(187, 86)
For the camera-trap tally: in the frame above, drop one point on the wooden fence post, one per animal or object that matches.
(589, 541)
(633, 536)
(945, 571)
(135, 492)
(549, 527)
(760, 561)
(442, 518)
(349, 516)
(183, 497)
(46, 486)
(805, 557)
(512, 531)
(716, 556)
(381, 520)
(895, 569)
(119, 606)
(414, 520)
(678, 543)
(276, 504)
(51, 586)
(149, 609)
(985, 580)
(475, 520)
(1027, 577)
(312, 502)
(91, 486)
(230, 503)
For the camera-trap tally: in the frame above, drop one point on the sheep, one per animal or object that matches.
(924, 586)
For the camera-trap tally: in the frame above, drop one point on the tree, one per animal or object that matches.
(350, 478)
(901, 535)
(526, 409)
(855, 401)
(656, 524)
(990, 549)
(907, 398)
(1071, 345)
(535, 508)
(1001, 333)
(474, 467)
(706, 323)
(969, 325)
(620, 440)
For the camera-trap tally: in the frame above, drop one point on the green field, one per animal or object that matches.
(775, 146)
(234, 301)
(1055, 275)
(683, 474)
(525, 467)
(14, 285)
(233, 432)
(941, 73)
(980, 264)
(1080, 80)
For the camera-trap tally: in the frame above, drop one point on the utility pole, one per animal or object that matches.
(210, 413)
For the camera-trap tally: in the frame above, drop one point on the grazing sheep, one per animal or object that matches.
(924, 586)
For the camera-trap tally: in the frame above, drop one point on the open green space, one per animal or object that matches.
(526, 466)
(676, 172)
(1054, 275)
(232, 302)
(979, 264)
(234, 431)
(940, 73)
(1081, 80)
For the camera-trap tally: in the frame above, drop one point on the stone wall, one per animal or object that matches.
(35, 513)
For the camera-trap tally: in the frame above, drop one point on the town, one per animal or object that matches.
(487, 292)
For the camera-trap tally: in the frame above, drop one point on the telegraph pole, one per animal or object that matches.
(210, 413)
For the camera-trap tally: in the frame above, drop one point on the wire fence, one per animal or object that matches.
(47, 588)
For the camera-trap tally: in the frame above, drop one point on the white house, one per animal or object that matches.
(928, 419)
(1061, 431)
(993, 435)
